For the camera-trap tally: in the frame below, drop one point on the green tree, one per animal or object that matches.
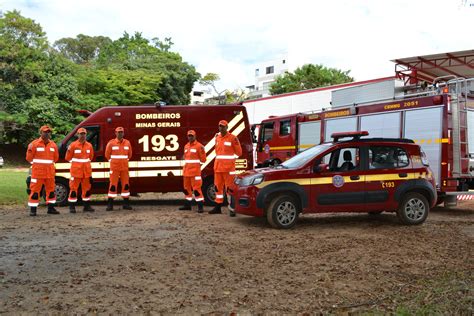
(309, 76)
(175, 77)
(210, 80)
(83, 49)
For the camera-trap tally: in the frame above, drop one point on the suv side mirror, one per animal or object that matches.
(320, 167)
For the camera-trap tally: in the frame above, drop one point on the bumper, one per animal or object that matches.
(246, 201)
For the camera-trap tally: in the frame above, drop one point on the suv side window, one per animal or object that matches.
(387, 157)
(343, 159)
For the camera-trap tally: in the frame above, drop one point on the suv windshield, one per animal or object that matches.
(305, 156)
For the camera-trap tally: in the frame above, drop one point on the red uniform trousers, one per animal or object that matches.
(74, 184)
(223, 180)
(192, 185)
(114, 179)
(35, 187)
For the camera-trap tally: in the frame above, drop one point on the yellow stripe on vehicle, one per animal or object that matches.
(310, 181)
(307, 146)
(282, 147)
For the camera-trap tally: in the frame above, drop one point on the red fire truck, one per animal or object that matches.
(158, 135)
(440, 118)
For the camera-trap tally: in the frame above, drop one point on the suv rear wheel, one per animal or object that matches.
(413, 209)
(282, 212)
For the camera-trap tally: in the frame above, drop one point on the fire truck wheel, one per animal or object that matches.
(209, 191)
(62, 191)
(413, 209)
(282, 212)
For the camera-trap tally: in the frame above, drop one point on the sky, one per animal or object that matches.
(231, 38)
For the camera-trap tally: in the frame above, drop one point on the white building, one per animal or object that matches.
(265, 74)
(199, 96)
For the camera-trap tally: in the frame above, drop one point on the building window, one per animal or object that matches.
(284, 61)
(257, 72)
(198, 93)
(270, 70)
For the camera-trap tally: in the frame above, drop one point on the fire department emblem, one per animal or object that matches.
(267, 148)
(338, 181)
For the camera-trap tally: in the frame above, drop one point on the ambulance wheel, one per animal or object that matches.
(282, 212)
(209, 191)
(62, 191)
(413, 209)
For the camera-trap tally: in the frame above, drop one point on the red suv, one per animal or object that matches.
(357, 175)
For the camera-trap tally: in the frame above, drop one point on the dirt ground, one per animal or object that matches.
(156, 259)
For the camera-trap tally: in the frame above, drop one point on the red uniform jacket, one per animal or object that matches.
(118, 153)
(194, 155)
(227, 149)
(80, 156)
(42, 156)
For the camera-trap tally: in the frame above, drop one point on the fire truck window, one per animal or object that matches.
(285, 127)
(267, 131)
(386, 157)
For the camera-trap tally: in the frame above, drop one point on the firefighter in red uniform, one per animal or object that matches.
(227, 149)
(42, 153)
(80, 154)
(118, 152)
(194, 155)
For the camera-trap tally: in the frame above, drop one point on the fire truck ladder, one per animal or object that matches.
(458, 90)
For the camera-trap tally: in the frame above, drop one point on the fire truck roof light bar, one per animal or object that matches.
(354, 135)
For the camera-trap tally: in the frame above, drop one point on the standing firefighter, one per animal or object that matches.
(194, 155)
(42, 153)
(118, 152)
(227, 149)
(80, 154)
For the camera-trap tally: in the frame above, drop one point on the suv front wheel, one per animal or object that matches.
(282, 212)
(413, 209)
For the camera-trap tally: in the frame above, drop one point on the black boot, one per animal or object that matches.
(200, 207)
(33, 211)
(72, 208)
(216, 209)
(110, 204)
(231, 206)
(87, 207)
(186, 206)
(126, 204)
(51, 209)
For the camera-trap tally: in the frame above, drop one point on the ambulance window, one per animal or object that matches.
(285, 127)
(267, 131)
(387, 157)
(93, 133)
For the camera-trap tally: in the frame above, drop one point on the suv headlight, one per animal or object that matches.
(251, 180)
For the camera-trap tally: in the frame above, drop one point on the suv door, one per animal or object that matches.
(340, 186)
(388, 166)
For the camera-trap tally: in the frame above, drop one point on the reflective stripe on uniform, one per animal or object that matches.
(199, 199)
(112, 195)
(189, 198)
(192, 161)
(125, 194)
(33, 204)
(119, 157)
(232, 172)
(47, 161)
(225, 157)
(80, 160)
(34, 180)
(72, 200)
(198, 178)
(219, 196)
(51, 201)
(86, 199)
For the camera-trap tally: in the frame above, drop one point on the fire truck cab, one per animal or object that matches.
(158, 135)
(356, 175)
